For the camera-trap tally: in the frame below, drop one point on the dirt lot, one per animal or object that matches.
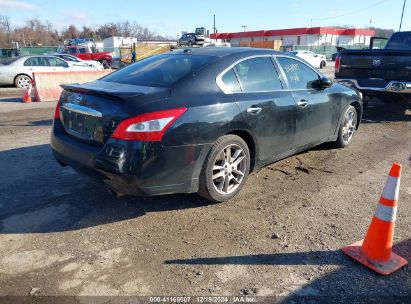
(62, 234)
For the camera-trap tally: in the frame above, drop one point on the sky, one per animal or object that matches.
(170, 18)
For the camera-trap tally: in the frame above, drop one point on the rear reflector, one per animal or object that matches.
(148, 126)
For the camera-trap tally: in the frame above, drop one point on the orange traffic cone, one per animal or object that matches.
(375, 251)
(27, 94)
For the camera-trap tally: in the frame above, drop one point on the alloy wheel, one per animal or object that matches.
(350, 125)
(229, 169)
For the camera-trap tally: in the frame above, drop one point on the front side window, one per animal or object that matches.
(70, 58)
(82, 50)
(258, 75)
(57, 62)
(299, 75)
(71, 50)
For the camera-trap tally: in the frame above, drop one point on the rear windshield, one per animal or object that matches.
(160, 70)
(9, 61)
(400, 41)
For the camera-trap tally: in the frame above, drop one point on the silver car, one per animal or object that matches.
(19, 71)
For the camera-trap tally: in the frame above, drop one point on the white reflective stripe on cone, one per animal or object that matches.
(391, 188)
(385, 213)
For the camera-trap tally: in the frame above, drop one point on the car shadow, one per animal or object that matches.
(376, 111)
(40, 196)
(10, 99)
(36, 123)
(351, 281)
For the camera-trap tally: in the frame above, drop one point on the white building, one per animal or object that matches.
(314, 36)
(116, 41)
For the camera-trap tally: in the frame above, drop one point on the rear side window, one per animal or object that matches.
(231, 82)
(258, 75)
(36, 61)
(400, 41)
(299, 75)
(160, 70)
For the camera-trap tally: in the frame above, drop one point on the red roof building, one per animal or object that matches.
(302, 36)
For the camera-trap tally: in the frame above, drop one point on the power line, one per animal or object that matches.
(353, 12)
(402, 14)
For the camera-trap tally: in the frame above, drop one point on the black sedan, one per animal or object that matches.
(199, 120)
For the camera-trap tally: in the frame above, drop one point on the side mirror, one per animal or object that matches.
(323, 83)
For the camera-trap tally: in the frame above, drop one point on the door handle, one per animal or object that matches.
(254, 110)
(303, 103)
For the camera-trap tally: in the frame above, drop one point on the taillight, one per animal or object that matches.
(57, 111)
(337, 64)
(148, 126)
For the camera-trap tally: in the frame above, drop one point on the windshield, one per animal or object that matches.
(160, 70)
(400, 41)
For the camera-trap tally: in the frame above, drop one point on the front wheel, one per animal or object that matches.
(225, 169)
(106, 64)
(347, 128)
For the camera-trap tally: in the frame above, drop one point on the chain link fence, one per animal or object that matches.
(326, 50)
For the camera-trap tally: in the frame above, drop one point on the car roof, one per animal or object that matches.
(27, 56)
(223, 52)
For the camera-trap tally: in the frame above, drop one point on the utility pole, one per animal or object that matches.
(244, 27)
(402, 14)
(215, 30)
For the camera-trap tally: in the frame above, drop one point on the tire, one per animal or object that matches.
(218, 189)
(347, 128)
(106, 64)
(22, 81)
(322, 64)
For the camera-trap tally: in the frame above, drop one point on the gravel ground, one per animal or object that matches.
(62, 234)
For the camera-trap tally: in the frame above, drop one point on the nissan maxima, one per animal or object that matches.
(199, 120)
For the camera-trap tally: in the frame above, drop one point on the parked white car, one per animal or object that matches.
(316, 60)
(19, 70)
(74, 61)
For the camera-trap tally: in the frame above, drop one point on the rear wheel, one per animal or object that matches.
(22, 81)
(322, 64)
(347, 128)
(225, 169)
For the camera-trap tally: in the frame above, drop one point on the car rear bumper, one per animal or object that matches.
(133, 167)
(391, 87)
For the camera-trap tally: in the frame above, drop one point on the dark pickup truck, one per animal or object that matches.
(376, 72)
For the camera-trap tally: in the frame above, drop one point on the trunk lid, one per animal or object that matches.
(91, 112)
